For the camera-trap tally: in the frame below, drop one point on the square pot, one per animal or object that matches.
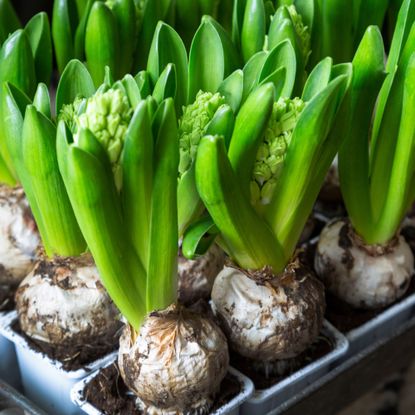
(9, 369)
(13, 403)
(44, 380)
(381, 326)
(230, 408)
(263, 401)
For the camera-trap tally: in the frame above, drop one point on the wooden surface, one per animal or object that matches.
(356, 376)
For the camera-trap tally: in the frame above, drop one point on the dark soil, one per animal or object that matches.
(330, 209)
(108, 393)
(345, 318)
(322, 346)
(73, 356)
(6, 298)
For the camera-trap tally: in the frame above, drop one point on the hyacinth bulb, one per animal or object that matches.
(62, 301)
(177, 352)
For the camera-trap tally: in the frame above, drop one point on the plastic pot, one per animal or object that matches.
(231, 408)
(9, 369)
(13, 403)
(263, 401)
(44, 380)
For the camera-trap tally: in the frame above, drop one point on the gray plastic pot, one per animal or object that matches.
(44, 380)
(9, 369)
(231, 408)
(13, 403)
(263, 401)
(381, 326)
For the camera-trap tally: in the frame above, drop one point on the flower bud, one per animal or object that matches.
(272, 151)
(192, 125)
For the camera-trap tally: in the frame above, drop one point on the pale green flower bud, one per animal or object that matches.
(272, 151)
(70, 112)
(192, 126)
(107, 115)
(261, 173)
(263, 152)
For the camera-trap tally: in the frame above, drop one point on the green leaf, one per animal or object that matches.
(38, 33)
(189, 204)
(14, 103)
(154, 11)
(64, 21)
(281, 29)
(253, 28)
(222, 124)
(98, 211)
(368, 76)
(306, 9)
(318, 79)
(40, 160)
(167, 47)
(144, 83)
(75, 82)
(232, 89)
(383, 145)
(16, 67)
(9, 22)
(251, 71)
(282, 56)
(308, 139)
(199, 237)
(399, 192)
(212, 58)
(6, 177)
(131, 89)
(336, 29)
(102, 43)
(166, 85)
(41, 100)
(79, 40)
(249, 240)
(250, 125)
(125, 16)
(403, 26)
(162, 264)
(137, 165)
(372, 12)
(16, 63)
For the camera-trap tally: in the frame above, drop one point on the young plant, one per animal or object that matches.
(200, 102)
(259, 194)
(63, 291)
(377, 170)
(119, 157)
(336, 26)
(25, 58)
(258, 27)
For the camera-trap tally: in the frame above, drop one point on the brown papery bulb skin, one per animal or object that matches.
(176, 363)
(364, 276)
(269, 317)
